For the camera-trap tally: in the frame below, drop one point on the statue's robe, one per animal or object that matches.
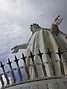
(42, 40)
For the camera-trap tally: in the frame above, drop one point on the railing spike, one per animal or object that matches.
(26, 67)
(59, 53)
(2, 65)
(43, 66)
(34, 66)
(19, 71)
(23, 58)
(52, 63)
(32, 56)
(5, 74)
(61, 62)
(12, 73)
(49, 53)
(40, 54)
(9, 62)
(1, 79)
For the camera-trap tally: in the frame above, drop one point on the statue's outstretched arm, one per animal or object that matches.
(16, 48)
(22, 46)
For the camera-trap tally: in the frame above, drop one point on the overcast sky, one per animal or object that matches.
(17, 15)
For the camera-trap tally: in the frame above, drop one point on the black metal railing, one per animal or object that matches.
(26, 67)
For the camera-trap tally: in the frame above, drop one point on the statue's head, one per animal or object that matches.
(34, 27)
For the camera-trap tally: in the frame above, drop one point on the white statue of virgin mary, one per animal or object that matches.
(44, 39)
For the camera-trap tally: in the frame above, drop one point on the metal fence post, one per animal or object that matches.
(52, 64)
(61, 63)
(5, 74)
(34, 66)
(19, 71)
(1, 79)
(12, 73)
(43, 66)
(26, 67)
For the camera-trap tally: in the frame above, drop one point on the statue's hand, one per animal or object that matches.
(15, 49)
(57, 20)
